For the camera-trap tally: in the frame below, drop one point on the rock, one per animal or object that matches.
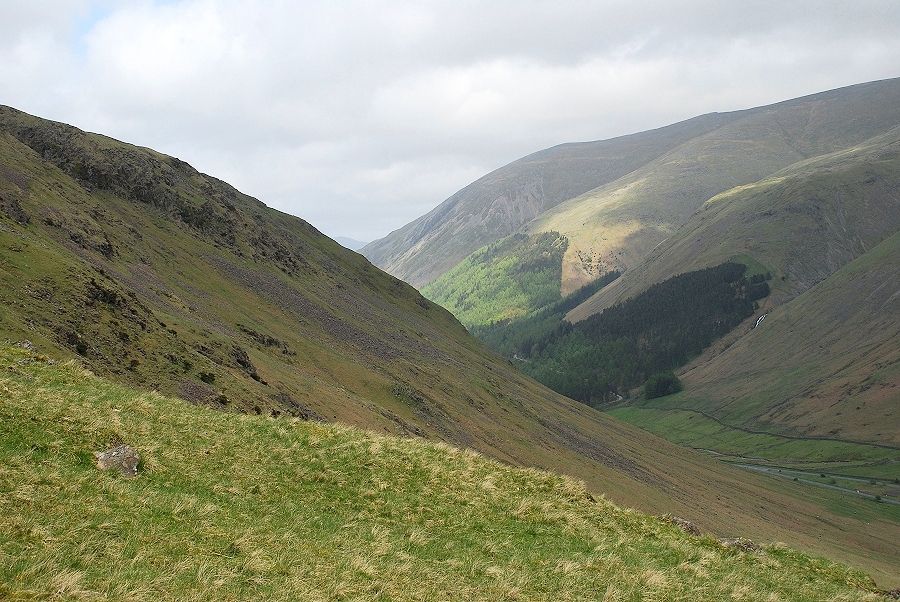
(684, 524)
(121, 457)
(740, 543)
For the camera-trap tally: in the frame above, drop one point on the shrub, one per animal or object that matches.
(662, 384)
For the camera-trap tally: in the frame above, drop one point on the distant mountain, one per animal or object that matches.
(350, 243)
(615, 200)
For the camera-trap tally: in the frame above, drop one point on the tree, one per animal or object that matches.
(661, 384)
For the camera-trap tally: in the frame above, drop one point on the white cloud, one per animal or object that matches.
(360, 116)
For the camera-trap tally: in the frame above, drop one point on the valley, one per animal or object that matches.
(802, 383)
(113, 254)
(449, 302)
(133, 265)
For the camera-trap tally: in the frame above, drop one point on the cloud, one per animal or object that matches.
(360, 116)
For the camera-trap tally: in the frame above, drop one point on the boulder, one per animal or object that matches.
(121, 457)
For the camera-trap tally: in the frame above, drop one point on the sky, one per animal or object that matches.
(361, 116)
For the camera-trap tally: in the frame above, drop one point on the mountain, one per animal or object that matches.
(617, 225)
(615, 200)
(224, 508)
(156, 276)
(499, 203)
(350, 243)
(824, 367)
(802, 223)
(833, 200)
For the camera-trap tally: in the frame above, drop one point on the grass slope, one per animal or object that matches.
(504, 280)
(814, 388)
(827, 364)
(244, 507)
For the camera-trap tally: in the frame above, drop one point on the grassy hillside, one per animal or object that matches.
(504, 280)
(827, 364)
(822, 363)
(499, 203)
(801, 223)
(806, 390)
(245, 507)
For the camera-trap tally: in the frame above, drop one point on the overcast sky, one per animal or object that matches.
(359, 117)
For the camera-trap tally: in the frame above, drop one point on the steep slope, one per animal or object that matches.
(499, 203)
(616, 224)
(819, 371)
(158, 276)
(827, 364)
(802, 223)
(228, 508)
(823, 363)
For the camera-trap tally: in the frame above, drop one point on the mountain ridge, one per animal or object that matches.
(431, 245)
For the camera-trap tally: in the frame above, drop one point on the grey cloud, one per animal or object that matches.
(360, 116)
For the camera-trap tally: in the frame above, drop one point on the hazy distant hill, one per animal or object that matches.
(350, 243)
